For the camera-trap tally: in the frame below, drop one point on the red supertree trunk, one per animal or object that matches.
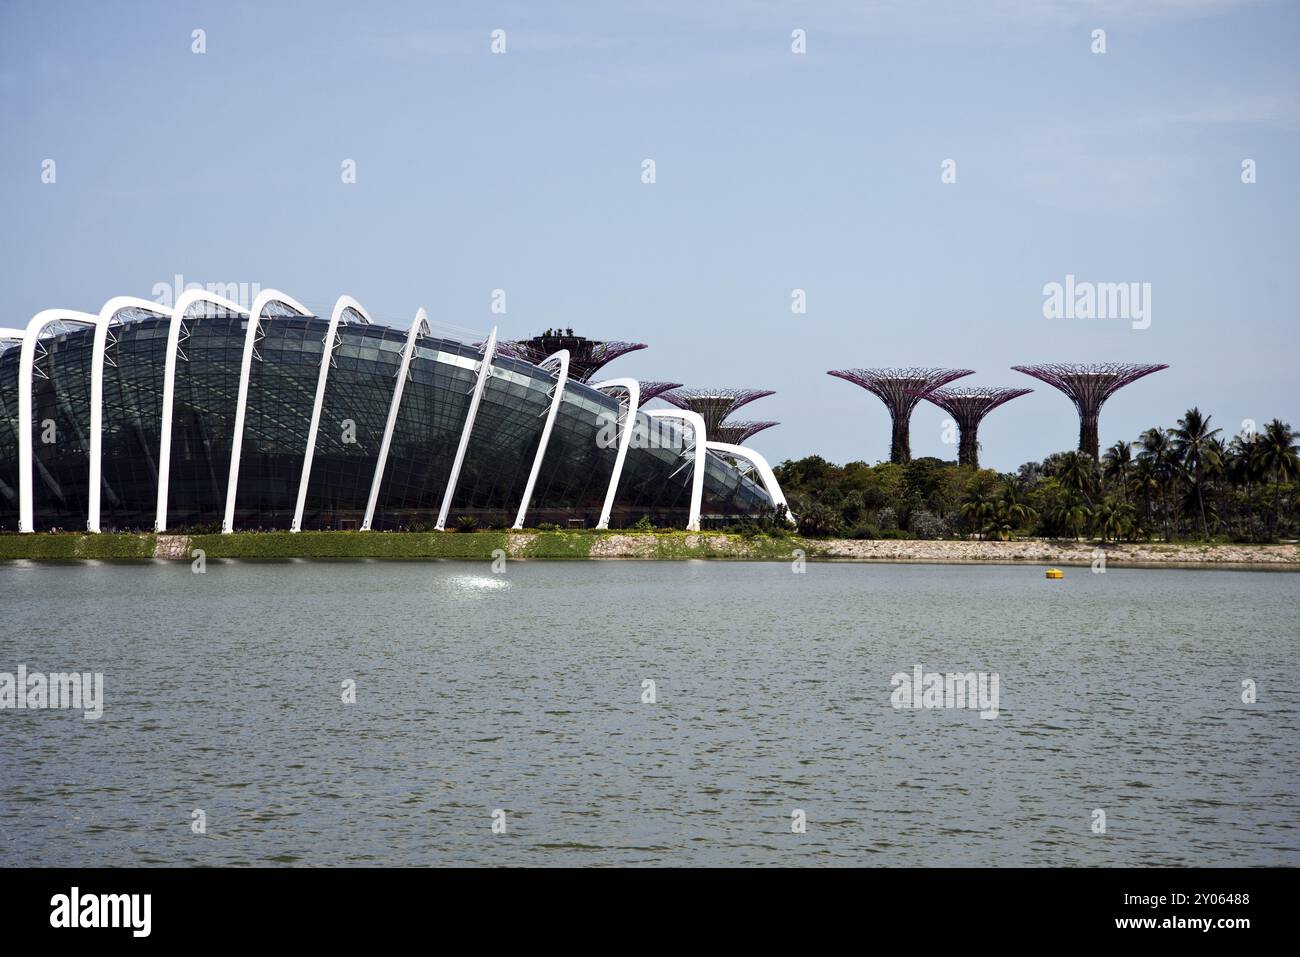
(1089, 385)
(900, 390)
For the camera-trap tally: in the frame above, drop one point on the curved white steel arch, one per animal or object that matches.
(633, 389)
(183, 304)
(102, 322)
(484, 370)
(241, 403)
(696, 422)
(562, 357)
(419, 326)
(26, 367)
(765, 473)
(343, 304)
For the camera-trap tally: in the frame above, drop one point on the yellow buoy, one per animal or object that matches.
(1055, 573)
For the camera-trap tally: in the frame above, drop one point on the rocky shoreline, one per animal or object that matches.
(705, 545)
(1061, 553)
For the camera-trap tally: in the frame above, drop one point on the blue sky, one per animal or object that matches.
(775, 172)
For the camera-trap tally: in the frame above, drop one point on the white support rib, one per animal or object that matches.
(696, 422)
(183, 304)
(264, 297)
(106, 317)
(26, 367)
(633, 389)
(419, 326)
(561, 357)
(765, 473)
(344, 304)
(484, 370)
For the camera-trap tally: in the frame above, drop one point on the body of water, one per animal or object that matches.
(522, 692)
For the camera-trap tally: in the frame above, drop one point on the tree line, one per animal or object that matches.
(1186, 482)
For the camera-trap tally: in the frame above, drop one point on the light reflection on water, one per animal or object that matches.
(471, 584)
(522, 691)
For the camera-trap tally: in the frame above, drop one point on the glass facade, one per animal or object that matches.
(576, 471)
(353, 414)
(8, 436)
(133, 378)
(365, 360)
(281, 392)
(203, 416)
(507, 432)
(434, 405)
(61, 432)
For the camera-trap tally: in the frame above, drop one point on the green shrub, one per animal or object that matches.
(898, 534)
(466, 523)
(559, 545)
(203, 528)
(350, 545)
(820, 520)
(72, 546)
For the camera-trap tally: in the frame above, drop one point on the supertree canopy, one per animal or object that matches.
(968, 405)
(735, 433)
(900, 390)
(1089, 385)
(652, 390)
(586, 356)
(713, 404)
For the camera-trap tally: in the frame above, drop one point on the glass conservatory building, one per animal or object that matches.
(210, 415)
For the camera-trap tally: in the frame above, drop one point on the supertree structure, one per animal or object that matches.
(1089, 385)
(586, 356)
(713, 404)
(968, 405)
(652, 390)
(735, 433)
(900, 390)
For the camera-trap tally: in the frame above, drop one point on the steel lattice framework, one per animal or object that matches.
(652, 390)
(735, 433)
(586, 356)
(714, 404)
(1089, 385)
(968, 405)
(900, 390)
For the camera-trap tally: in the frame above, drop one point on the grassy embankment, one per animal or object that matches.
(482, 545)
(651, 546)
(400, 545)
(69, 545)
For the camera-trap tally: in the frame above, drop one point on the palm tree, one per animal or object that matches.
(1077, 471)
(1112, 519)
(1156, 451)
(1280, 457)
(1244, 467)
(1115, 464)
(976, 510)
(1070, 513)
(1193, 442)
(1010, 513)
(1011, 501)
(1146, 480)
